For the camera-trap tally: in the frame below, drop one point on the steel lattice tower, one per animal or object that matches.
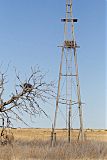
(69, 71)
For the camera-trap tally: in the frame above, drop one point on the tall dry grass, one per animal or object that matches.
(41, 150)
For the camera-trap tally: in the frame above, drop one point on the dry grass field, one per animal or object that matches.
(34, 144)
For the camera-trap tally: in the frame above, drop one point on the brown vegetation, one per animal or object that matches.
(41, 150)
(34, 144)
(6, 136)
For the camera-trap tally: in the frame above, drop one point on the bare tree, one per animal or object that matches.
(26, 98)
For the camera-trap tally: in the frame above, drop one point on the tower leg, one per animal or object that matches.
(69, 123)
(57, 99)
(81, 133)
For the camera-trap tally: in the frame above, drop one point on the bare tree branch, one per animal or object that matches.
(27, 96)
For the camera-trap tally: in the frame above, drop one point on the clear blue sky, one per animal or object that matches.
(30, 31)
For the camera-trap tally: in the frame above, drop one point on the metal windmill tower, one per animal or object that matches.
(69, 71)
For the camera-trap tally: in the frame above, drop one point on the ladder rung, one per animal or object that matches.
(68, 75)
